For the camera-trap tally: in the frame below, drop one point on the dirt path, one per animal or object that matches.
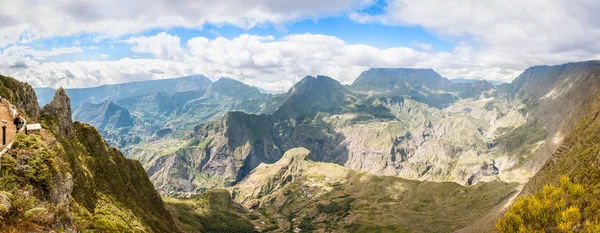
(11, 130)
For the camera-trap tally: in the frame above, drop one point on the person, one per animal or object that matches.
(13, 110)
(18, 121)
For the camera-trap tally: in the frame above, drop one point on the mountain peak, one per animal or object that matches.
(232, 87)
(227, 80)
(399, 78)
(60, 108)
(310, 83)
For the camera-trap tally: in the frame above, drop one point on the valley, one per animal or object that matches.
(399, 150)
(300, 116)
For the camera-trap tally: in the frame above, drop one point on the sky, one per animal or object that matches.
(272, 44)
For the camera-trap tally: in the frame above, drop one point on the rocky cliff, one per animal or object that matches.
(21, 95)
(68, 179)
(60, 109)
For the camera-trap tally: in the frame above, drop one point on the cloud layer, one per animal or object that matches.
(258, 60)
(508, 33)
(493, 39)
(33, 19)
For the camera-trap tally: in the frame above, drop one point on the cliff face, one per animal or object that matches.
(556, 97)
(68, 178)
(21, 95)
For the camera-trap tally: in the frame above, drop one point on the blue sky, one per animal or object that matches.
(373, 34)
(272, 44)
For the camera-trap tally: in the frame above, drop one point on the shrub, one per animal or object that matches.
(549, 210)
(39, 215)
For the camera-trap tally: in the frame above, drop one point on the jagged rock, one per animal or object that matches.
(60, 108)
(23, 96)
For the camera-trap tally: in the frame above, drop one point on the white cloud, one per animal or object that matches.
(163, 46)
(274, 65)
(44, 19)
(494, 39)
(421, 46)
(20, 51)
(509, 33)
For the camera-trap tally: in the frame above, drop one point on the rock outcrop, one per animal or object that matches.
(60, 109)
(21, 95)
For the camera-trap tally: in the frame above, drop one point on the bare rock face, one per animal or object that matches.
(60, 108)
(60, 196)
(21, 95)
(27, 99)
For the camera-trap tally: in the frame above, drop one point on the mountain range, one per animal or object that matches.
(383, 154)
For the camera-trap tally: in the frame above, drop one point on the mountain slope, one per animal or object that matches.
(422, 85)
(296, 193)
(381, 125)
(556, 97)
(104, 116)
(383, 134)
(568, 184)
(68, 178)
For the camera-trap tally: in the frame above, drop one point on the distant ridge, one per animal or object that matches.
(118, 91)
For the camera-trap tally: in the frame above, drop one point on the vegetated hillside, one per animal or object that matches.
(211, 211)
(423, 85)
(298, 194)
(67, 178)
(566, 189)
(466, 80)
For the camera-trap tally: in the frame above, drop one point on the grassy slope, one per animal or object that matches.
(578, 158)
(313, 195)
(111, 191)
(212, 211)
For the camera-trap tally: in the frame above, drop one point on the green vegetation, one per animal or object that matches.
(554, 199)
(212, 211)
(550, 210)
(108, 188)
(522, 139)
(26, 179)
(327, 197)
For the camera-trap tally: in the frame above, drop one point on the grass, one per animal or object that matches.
(328, 197)
(27, 178)
(110, 192)
(212, 211)
(522, 139)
